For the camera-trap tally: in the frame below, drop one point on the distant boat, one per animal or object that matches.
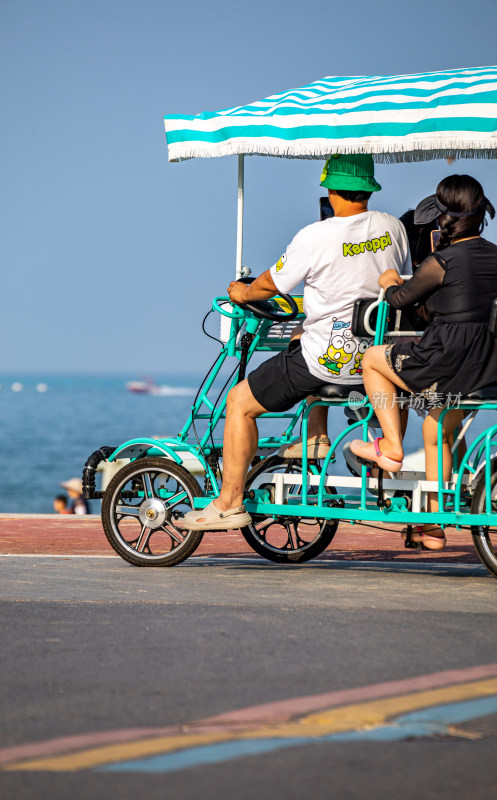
(150, 387)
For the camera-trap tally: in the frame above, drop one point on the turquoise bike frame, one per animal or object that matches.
(320, 502)
(204, 408)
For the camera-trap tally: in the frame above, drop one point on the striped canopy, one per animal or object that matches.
(396, 118)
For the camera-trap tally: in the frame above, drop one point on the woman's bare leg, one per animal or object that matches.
(380, 382)
(452, 420)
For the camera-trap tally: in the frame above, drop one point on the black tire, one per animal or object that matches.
(291, 540)
(126, 511)
(485, 537)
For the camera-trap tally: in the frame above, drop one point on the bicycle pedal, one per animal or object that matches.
(413, 545)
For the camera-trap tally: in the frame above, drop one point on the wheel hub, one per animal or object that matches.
(152, 513)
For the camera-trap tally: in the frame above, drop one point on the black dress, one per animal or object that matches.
(456, 354)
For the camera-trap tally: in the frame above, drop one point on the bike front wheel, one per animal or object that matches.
(142, 509)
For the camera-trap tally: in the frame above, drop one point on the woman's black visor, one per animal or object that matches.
(431, 208)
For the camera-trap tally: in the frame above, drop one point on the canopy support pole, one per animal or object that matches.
(239, 220)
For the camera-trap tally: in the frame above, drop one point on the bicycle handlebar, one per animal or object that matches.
(237, 312)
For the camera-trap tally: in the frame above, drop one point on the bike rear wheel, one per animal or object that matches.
(485, 536)
(286, 540)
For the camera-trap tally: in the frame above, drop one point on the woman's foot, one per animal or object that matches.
(431, 537)
(370, 454)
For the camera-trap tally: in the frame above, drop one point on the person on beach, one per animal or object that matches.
(60, 504)
(456, 354)
(339, 259)
(78, 504)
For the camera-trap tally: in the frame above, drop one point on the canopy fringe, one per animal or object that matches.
(381, 152)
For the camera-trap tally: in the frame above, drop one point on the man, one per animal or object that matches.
(340, 260)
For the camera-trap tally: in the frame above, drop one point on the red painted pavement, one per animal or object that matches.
(70, 535)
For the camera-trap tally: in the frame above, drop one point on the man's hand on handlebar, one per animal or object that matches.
(237, 292)
(252, 295)
(261, 289)
(390, 278)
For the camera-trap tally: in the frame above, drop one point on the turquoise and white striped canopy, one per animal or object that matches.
(396, 118)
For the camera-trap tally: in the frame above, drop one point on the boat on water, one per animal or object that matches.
(149, 386)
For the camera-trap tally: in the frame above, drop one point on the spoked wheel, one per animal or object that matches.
(141, 507)
(286, 540)
(485, 537)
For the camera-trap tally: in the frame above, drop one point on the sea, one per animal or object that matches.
(47, 435)
(51, 424)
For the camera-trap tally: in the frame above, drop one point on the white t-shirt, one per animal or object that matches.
(340, 260)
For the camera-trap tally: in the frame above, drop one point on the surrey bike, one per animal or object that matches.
(295, 504)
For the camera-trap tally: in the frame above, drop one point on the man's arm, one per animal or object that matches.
(261, 289)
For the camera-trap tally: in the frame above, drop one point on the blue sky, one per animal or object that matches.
(110, 255)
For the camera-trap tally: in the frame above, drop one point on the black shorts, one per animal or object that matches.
(284, 380)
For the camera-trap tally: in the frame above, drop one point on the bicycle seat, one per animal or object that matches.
(335, 391)
(485, 393)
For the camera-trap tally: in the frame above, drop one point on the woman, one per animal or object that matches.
(418, 235)
(456, 355)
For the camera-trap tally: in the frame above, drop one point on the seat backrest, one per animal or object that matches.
(492, 325)
(403, 320)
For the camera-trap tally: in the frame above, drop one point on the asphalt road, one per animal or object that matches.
(91, 645)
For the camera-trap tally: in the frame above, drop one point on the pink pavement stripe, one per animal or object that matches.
(283, 709)
(77, 742)
(278, 711)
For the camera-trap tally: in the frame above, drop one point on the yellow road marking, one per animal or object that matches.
(96, 756)
(356, 716)
(375, 712)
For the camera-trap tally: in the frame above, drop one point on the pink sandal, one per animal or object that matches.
(427, 542)
(371, 455)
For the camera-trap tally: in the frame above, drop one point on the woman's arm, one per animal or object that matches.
(428, 277)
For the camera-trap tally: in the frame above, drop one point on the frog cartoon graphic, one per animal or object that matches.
(280, 263)
(363, 346)
(341, 348)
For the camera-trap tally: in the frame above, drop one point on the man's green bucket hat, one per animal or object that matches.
(353, 173)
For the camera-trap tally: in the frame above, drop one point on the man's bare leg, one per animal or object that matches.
(240, 444)
(317, 423)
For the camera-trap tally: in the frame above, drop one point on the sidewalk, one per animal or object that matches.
(50, 534)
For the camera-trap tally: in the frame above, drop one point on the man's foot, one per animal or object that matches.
(212, 518)
(317, 447)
